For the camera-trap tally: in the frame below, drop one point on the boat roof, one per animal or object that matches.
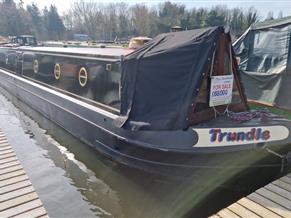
(98, 53)
(161, 80)
(271, 23)
(142, 38)
(31, 36)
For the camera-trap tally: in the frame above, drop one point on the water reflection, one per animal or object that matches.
(35, 149)
(110, 190)
(72, 179)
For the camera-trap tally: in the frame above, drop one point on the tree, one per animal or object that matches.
(250, 17)
(123, 24)
(170, 14)
(89, 18)
(216, 17)
(270, 15)
(53, 23)
(68, 20)
(13, 20)
(236, 22)
(36, 19)
(141, 20)
(111, 24)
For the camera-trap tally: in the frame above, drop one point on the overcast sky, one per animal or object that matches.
(263, 6)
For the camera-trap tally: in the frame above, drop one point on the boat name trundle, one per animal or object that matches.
(238, 136)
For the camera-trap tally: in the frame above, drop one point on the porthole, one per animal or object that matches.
(83, 76)
(57, 71)
(35, 66)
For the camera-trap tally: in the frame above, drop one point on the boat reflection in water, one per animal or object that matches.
(108, 190)
(156, 110)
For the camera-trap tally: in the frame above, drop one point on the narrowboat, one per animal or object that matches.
(174, 107)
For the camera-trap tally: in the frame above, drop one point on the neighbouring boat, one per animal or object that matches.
(263, 52)
(170, 108)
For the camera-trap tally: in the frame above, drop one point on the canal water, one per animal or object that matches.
(71, 178)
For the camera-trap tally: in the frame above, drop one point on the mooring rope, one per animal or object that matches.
(283, 157)
(263, 114)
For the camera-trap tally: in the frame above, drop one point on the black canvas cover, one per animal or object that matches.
(264, 66)
(161, 79)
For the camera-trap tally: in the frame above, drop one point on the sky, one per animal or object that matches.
(263, 6)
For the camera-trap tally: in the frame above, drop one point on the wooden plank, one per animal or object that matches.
(275, 197)
(271, 205)
(21, 208)
(278, 190)
(4, 148)
(16, 193)
(4, 144)
(220, 55)
(18, 201)
(2, 157)
(6, 152)
(9, 164)
(283, 185)
(214, 216)
(45, 216)
(12, 174)
(13, 180)
(14, 186)
(7, 160)
(242, 211)
(225, 213)
(3, 140)
(10, 169)
(257, 208)
(286, 179)
(37, 212)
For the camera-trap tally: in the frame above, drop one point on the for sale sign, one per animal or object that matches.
(221, 90)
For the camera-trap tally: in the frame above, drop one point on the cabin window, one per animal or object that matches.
(20, 41)
(30, 41)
